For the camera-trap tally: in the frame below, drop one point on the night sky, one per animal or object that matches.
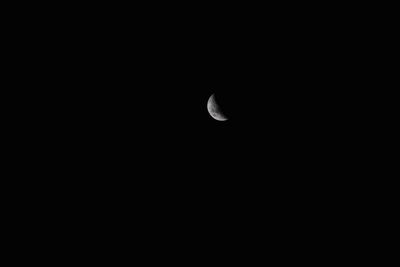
(125, 112)
(120, 153)
(134, 94)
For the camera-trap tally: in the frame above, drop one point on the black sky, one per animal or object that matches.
(118, 133)
(143, 82)
(132, 100)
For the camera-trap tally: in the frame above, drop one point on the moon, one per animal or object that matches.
(214, 109)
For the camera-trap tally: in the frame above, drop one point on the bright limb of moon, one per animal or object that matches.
(214, 109)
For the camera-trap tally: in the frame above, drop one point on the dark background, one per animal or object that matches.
(125, 92)
(119, 128)
(135, 88)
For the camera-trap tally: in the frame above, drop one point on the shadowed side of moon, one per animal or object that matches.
(215, 110)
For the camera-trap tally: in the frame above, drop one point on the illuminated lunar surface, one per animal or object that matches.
(215, 110)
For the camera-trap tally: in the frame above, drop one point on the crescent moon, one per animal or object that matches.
(214, 109)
